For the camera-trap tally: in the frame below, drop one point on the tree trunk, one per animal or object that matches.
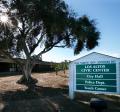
(26, 69)
(64, 71)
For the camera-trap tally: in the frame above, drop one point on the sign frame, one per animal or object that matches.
(86, 60)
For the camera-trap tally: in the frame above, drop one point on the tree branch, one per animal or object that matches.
(60, 46)
(36, 45)
(49, 48)
(9, 57)
(23, 36)
(25, 49)
(53, 45)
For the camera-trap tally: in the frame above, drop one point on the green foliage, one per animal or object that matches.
(45, 24)
(65, 65)
(42, 24)
(61, 66)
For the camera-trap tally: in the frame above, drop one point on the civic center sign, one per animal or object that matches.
(96, 77)
(96, 73)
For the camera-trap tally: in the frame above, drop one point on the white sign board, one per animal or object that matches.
(96, 73)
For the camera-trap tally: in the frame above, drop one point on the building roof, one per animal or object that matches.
(98, 54)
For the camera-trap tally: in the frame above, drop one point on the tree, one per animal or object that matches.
(56, 67)
(65, 65)
(42, 24)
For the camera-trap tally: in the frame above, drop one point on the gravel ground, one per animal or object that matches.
(49, 95)
(44, 79)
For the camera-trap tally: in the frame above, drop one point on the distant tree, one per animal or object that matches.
(56, 67)
(65, 65)
(42, 24)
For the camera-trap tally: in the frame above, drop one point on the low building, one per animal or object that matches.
(9, 66)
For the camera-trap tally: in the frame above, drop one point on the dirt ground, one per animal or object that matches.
(49, 95)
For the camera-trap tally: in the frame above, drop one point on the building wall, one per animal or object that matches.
(12, 67)
(7, 67)
(42, 68)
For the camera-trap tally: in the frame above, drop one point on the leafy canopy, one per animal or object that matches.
(44, 24)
